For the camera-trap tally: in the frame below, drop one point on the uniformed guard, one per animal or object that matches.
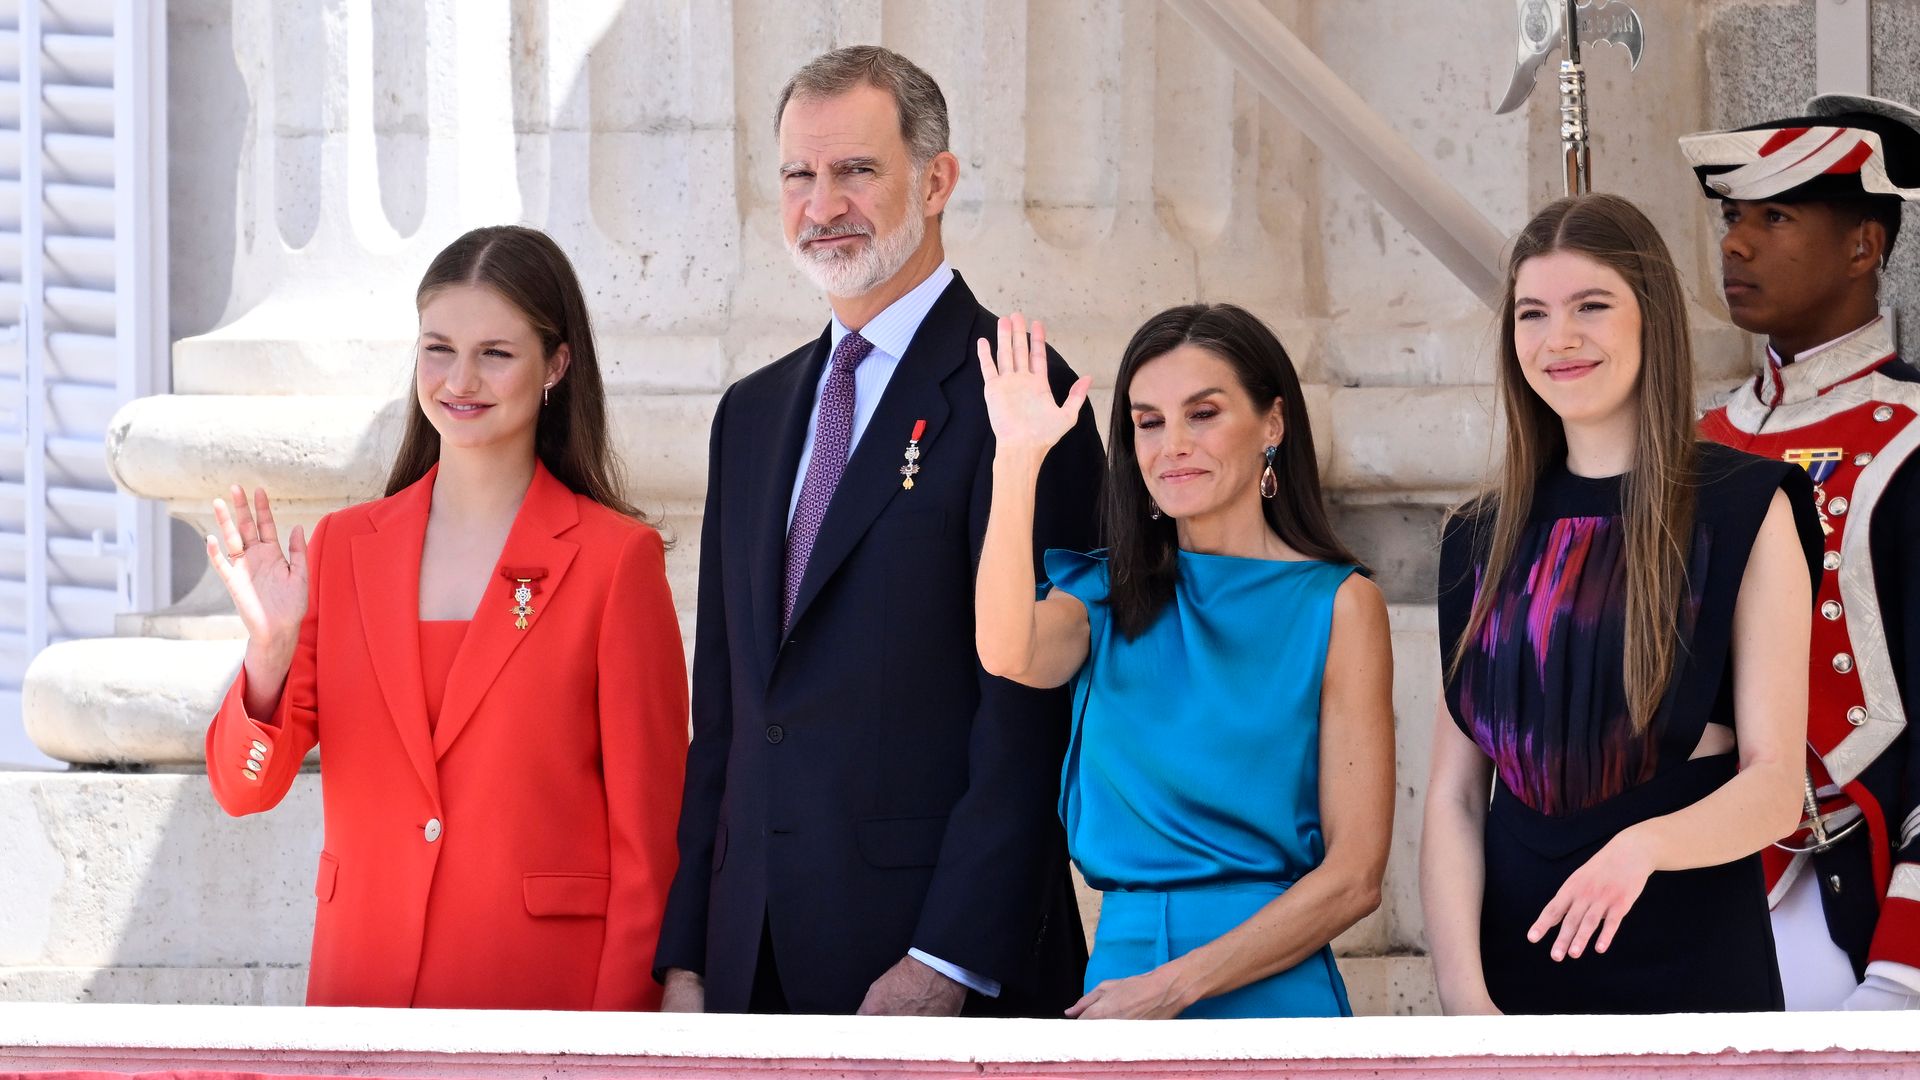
(1812, 207)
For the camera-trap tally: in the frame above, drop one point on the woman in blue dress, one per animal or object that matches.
(1229, 782)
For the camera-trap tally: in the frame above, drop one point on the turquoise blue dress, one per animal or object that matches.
(1191, 788)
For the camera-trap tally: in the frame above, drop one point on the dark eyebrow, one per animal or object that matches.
(1141, 406)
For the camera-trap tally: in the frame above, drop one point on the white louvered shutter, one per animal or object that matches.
(82, 320)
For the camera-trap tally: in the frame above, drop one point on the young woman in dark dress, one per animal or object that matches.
(1624, 626)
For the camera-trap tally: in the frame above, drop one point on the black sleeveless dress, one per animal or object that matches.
(1542, 692)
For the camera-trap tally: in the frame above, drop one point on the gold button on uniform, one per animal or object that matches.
(433, 830)
(1842, 663)
(1830, 610)
(1856, 716)
(249, 774)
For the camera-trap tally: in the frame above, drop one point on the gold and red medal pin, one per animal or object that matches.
(525, 585)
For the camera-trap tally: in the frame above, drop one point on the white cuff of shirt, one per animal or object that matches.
(977, 983)
(1904, 974)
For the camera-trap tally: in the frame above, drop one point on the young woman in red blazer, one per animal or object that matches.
(490, 660)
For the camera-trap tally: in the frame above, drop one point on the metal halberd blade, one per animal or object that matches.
(1602, 22)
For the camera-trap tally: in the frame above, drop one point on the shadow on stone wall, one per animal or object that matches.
(206, 135)
(203, 155)
(224, 914)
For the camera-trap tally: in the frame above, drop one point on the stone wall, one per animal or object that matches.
(1112, 164)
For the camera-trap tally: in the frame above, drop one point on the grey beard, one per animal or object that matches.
(855, 275)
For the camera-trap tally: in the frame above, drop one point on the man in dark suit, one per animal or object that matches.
(869, 818)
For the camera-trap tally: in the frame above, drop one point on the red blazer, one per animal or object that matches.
(519, 854)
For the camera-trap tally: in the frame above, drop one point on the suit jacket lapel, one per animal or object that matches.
(386, 576)
(794, 399)
(548, 510)
(872, 479)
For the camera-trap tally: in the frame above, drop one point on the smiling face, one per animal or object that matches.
(1199, 437)
(1576, 332)
(480, 369)
(852, 203)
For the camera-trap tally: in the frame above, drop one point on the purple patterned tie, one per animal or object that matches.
(832, 438)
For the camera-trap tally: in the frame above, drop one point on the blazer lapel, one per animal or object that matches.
(794, 399)
(913, 394)
(386, 576)
(548, 510)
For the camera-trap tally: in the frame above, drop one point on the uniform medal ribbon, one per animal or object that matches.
(1820, 464)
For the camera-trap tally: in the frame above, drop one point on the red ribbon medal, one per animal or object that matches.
(523, 579)
(912, 466)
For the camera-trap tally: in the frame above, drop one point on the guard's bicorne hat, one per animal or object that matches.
(1849, 146)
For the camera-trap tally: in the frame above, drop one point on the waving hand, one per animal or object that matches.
(269, 589)
(1020, 401)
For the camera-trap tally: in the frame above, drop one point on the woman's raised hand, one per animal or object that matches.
(269, 589)
(1019, 399)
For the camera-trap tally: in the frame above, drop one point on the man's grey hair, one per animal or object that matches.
(922, 108)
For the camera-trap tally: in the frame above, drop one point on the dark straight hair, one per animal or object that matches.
(528, 270)
(1143, 555)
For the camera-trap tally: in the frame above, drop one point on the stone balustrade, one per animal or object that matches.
(560, 1046)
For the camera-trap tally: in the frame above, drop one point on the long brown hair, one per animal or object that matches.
(1657, 494)
(528, 270)
(1143, 555)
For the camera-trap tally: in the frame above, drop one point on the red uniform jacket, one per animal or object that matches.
(1850, 413)
(518, 854)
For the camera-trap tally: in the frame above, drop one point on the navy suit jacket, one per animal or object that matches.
(863, 787)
